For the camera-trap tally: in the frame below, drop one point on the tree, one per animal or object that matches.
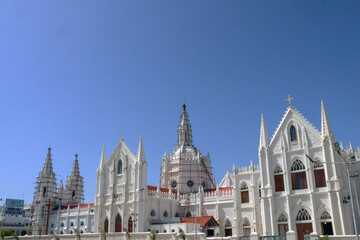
(39, 231)
(153, 234)
(182, 235)
(55, 236)
(102, 233)
(6, 232)
(77, 233)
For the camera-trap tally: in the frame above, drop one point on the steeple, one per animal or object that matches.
(48, 167)
(141, 152)
(102, 159)
(184, 129)
(325, 123)
(264, 138)
(74, 185)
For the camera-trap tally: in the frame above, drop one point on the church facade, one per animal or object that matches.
(298, 187)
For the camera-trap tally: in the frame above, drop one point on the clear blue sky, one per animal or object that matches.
(74, 74)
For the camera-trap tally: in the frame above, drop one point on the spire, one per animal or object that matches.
(325, 123)
(184, 129)
(75, 171)
(141, 152)
(264, 138)
(103, 158)
(48, 167)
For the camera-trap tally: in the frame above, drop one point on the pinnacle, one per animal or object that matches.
(325, 123)
(141, 152)
(103, 158)
(264, 138)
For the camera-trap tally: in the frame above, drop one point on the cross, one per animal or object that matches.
(184, 106)
(289, 99)
(121, 135)
(76, 155)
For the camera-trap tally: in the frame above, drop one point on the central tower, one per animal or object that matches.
(186, 168)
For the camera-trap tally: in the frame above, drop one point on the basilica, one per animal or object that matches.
(299, 187)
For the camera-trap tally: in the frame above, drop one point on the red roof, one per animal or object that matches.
(73, 206)
(203, 221)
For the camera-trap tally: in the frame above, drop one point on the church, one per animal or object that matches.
(299, 187)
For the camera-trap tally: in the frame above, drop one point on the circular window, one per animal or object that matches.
(174, 184)
(190, 183)
(203, 185)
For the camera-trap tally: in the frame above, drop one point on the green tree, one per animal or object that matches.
(5, 232)
(39, 231)
(56, 237)
(77, 233)
(182, 235)
(153, 234)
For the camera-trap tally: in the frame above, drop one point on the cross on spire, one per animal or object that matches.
(289, 99)
(49, 149)
(184, 106)
(76, 155)
(121, 135)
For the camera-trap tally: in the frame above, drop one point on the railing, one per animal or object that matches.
(244, 238)
(281, 237)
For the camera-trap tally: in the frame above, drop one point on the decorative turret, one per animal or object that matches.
(102, 159)
(325, 123)
(74, 185)
(264, 138)
(184, 129)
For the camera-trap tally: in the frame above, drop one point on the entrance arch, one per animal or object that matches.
(106, 225)
(303, 223)
(130, 224)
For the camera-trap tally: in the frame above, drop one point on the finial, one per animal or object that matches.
(49, 150)
(289, 99)
(76, 155)
(121, 135)
(184, 106)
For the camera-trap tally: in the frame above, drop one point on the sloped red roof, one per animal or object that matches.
(73, 206)
(203, 221)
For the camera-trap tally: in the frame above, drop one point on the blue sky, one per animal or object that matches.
(75, 74)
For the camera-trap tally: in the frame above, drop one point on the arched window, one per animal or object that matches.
(81, 223)
(130, 224)
(106, 225)
(118, 221)
(246, 228)
(244, 193)
(61, 232)
(73, 195)
(228, 228)
(279, 179)
(282, 225)
(71, 232)
(177, 214)
(326, 215)
(119, 167)
(319, 175)
(152, 213)
(44, 192)
(303, 215)
(173, 184)
(298, 175)
(71, 223)
(165, 214)
(293, 137)
(188, 214)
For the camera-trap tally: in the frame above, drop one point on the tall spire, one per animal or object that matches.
(48, 167)
(184, 129)
(141, 152)
(264, 138)
(74, 185)
(75, 171)
(325, 123)
(103, 158)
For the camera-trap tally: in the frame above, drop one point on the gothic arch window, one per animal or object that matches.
(325, 215)
(279, 179)
(282, 218)
(228, 228)
(177, 214)
(188, 214)
(81, 223)
(246, 227)
(173, 184)
(298, 175)
(44, 192)
(282, 225)
(61, 232)
(73, 195)
(71, 223)
(244, 191)
(152, 213)
(303, 215)
(119, 167)
(166, 214)
(118, 221)
(106, 225)
(319, 175)
(293, 137)
(71, 232)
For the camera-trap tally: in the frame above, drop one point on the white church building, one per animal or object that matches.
(299, 186)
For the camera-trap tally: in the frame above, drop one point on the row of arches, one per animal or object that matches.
(118, 224)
